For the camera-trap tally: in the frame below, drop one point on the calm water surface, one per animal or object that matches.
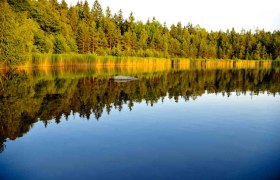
(193, 124)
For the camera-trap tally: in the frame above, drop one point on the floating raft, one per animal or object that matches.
(123, 78)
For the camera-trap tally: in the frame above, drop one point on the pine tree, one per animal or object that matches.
(83, 38)
(97, 13)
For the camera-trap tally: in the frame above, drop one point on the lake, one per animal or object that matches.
(194, 123)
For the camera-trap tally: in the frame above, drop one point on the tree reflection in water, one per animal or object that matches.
(29, 97)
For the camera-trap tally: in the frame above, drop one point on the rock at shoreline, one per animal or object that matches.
(123, 78)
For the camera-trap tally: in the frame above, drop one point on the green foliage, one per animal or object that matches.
(60, 45)
(19, 5)
(48, 20)
(71, 44)
(16, 36)
(41, 42)
(51, 26)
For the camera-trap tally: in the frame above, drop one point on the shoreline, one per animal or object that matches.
(90, 60)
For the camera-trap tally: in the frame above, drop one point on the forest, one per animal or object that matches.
(29, 27)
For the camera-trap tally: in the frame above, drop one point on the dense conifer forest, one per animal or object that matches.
(29, 27)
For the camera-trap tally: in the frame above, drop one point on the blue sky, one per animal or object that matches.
(212, 15)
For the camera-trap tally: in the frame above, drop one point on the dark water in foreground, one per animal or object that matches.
(195, 124)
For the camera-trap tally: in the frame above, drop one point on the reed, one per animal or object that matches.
(221, 64)
(142, 64)
(67, 60)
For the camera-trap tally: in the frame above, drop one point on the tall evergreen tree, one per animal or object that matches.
(97, 13)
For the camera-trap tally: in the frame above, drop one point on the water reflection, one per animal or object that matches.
(27, 97)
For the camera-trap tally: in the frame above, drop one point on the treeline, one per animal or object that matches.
(49, 26)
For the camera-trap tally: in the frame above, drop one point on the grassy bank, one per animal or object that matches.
(137, 63)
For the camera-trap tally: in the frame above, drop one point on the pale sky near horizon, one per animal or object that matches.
(210, 14)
